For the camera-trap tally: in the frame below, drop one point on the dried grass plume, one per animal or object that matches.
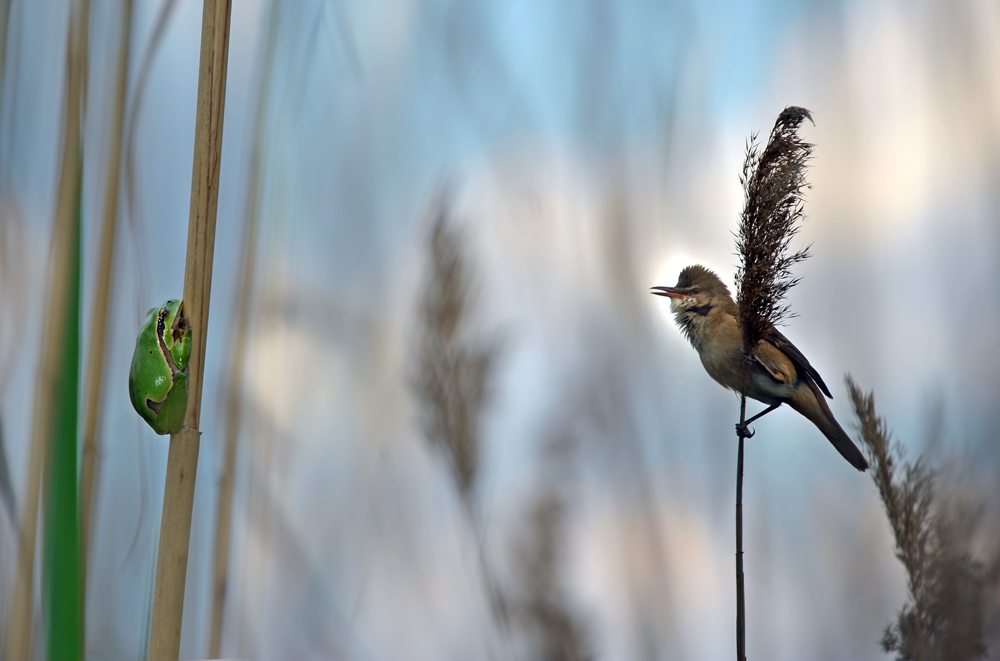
(773, 182)
(452, 370)
(945, 613)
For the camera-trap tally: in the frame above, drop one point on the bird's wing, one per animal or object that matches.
(776, 363)
(781, 343)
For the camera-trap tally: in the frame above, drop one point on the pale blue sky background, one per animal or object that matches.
(593, 149)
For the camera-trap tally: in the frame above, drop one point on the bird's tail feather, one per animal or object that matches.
(811, 403)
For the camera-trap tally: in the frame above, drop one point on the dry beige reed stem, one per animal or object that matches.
(17, 633)
(182, 458)
(94, 389)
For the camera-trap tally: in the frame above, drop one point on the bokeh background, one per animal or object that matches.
(582, 151)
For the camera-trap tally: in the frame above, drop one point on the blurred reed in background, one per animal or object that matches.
(452, 373)
(954, 598)
(537, 595)
(452, 379)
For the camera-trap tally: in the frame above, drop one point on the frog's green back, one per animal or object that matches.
(158, 393)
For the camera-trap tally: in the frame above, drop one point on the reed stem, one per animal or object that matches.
(102, 286)
(741, 629)
(182, 458)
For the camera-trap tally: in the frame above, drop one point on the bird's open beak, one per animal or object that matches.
(669, 292)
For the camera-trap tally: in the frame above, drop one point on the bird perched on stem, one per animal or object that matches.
(773, 372)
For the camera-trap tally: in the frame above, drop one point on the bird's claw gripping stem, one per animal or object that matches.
(743, 431)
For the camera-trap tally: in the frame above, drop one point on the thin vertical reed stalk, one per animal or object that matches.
(4, 22)
(773, 184)
(17, 633)
(261, 519)
(160, 25)
(223, 522)
(182, 458)
(94, 389)
(741, 609)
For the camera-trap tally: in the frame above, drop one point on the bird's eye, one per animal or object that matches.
(695, 290)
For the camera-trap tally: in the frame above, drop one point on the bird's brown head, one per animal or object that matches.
(697, 287)
(698, 292)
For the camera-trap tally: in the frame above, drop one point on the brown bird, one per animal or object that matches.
(775, 373)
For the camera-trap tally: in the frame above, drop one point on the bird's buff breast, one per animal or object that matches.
(720, 351)
(721, 363)
(721, 354)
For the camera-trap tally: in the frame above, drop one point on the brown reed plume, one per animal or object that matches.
(452, 371)
(773, 182)
(945, 613)
(451, 382)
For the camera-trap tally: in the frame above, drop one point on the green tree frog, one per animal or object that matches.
(157, 380)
